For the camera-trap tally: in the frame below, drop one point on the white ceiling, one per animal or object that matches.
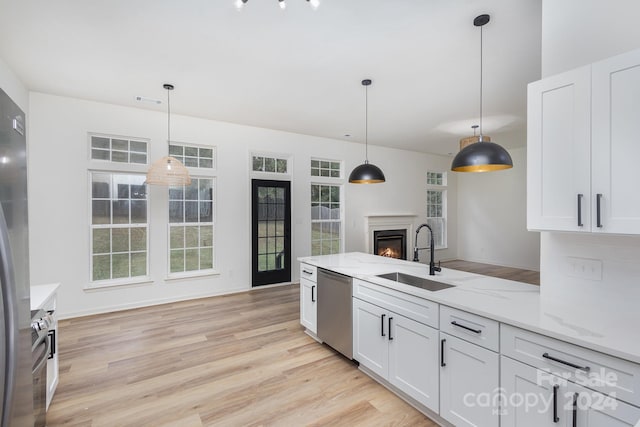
(297, 69)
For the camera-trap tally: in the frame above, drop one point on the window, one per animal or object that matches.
(270, 164)
(118, 149)
(437, 207)
(193, 156)
(326, 219)
(119, 237)
(327, 168)
(191, 227)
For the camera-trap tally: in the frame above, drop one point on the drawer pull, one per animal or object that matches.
(382, 324)
(564, 362)
(442, 363)
(555, 403)
(475, 331)
(313, 294)
(598, 206)
(580, 196)
(307, 272)
(390, 337)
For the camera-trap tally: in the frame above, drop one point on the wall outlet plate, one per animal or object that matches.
(584, 268)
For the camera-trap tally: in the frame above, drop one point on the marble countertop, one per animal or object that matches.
(514, 303)
(41, 293)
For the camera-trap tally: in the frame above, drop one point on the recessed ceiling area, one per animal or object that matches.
(297, 69)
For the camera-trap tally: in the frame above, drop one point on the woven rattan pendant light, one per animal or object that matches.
(366, 173)
(168, 171)
(481, 156)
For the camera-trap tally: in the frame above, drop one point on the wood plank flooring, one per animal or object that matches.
(234, 360)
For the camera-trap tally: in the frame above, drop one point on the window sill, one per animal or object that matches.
(191, 275)
(146, 280)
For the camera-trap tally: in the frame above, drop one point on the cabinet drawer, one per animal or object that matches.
(415, 308)
(470, 327)
(309, 272)
(580, 365)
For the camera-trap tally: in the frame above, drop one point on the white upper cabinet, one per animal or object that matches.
(616, 146)
(581, 150)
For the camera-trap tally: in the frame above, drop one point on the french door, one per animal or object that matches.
(271, 231)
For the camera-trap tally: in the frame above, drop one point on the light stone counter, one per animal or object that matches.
(601, 328)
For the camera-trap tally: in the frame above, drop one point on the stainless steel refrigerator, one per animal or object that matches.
(16, 380)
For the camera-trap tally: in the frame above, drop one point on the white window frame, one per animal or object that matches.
(95, 284)
(205, 170)
(442, 188)
(105, 162)
(319, 177)
(200, 272)
(329, 221)
(271, 175)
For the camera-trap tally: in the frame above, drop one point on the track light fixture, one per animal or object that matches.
(282, 3)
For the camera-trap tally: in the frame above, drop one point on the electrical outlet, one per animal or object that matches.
(584, 268)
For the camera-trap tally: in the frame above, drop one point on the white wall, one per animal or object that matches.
(13, 87)
(579, 32)
(576, 33)
(492, 217)
(58, 165)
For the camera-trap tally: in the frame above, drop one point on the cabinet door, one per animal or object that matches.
(370, 346)
(413, 359)
(469, 384)
(592, 409)
(615, 120)
(308, 304)
(531, 397)
(558, 152)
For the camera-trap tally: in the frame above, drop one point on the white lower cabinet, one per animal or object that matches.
(308, 304)
(469, 382)
(400, 350)
(593, 409)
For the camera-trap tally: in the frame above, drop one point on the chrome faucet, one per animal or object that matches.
(432, 264)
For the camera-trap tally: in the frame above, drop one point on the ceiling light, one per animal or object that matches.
(150, 100)
(366, 173)
(283, 5)
(168, 171)
(481, 156)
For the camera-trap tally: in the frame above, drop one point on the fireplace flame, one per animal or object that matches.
(388, 252)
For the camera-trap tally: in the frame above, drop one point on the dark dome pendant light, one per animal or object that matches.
(366, 173)
(481, 156)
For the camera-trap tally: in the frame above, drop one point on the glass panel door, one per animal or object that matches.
(271, 231)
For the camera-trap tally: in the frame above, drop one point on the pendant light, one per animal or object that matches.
(481, 156)
(168, 171)
(366, 173)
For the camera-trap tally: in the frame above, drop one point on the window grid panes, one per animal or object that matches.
(436, 216)
(270, 164)
(118, 149)
(326, 219)
(272, 206)
(191, 226)
(119, 237)
(436, 178)
(193, 156)
(328, 168)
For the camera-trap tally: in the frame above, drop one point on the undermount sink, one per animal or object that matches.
(416, 281)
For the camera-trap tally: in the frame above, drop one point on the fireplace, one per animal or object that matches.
(390, 243)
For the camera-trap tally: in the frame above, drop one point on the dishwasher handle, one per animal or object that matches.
(335, 276)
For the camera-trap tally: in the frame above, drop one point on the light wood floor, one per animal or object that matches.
(235, 360)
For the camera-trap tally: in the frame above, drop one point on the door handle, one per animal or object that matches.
(313, 294)
(442, 362)
(580, 224)
(382, 324)
(575, 409)
(555, 403)
(598, 206)
(390, 337)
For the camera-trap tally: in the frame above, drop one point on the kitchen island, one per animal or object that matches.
(500, 333)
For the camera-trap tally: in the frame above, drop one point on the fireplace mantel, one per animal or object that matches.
(388, 222)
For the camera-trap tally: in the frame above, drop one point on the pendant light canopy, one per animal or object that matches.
(366, 173)
(168, 171)
(481, 156)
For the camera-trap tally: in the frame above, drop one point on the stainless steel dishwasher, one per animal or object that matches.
(335, 322)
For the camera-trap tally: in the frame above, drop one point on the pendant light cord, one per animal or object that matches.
(481, 83)
(168, 117)
(366, 124)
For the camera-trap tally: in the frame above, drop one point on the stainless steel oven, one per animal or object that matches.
(40, 348)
